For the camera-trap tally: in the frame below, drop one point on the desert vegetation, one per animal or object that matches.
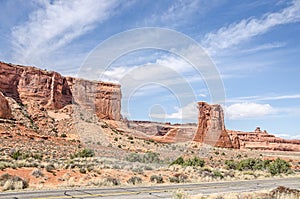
(280, 192)
(84, 168)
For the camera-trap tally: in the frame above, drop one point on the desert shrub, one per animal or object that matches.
(217, 174)
(4, 165)
(279, 166)
(148, 157)
(134, 180)
(82, 170)
(247, 164)
(37, 156)
(63, 135)
(178, 178)
(180, 194)
(90, 168)
(173, 179)
(130, 138)
(138, 170)
(230, 164)
(252, 164)
(37, 173)
(9, 182)
(151, 157)
(112, 181)
(49, 167)
(195, 162)
(148, 168)
(284, 192)
(104, 126)
(84, 154)
(156, 179)
(178, 161)
(134, 157)
(16, 155)
(274, 167)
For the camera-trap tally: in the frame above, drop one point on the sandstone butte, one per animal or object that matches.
(211, 130)
(53, 91)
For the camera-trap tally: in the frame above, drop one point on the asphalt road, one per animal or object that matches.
(157, 191)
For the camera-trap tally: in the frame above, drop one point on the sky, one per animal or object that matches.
(253, 45)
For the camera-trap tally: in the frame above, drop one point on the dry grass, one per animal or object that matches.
(278, 193)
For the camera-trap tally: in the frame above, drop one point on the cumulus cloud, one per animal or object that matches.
(236, 33)
(174, 63)
(188, 112)
(248, 110)
(55, 24)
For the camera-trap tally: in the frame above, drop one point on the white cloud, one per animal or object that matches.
(236, 33)
(188, 112)
(248, 110)
(257, 98)
(264, 47)
(181, 12)
(287, 136)
(175, 63)
(54, 25)
(178, 65)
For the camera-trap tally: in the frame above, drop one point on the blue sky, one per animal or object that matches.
(255, 46)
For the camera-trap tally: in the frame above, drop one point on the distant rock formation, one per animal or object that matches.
(212, 131)
(53, 91)
(263, 140)
(5, 111)
(211, 127)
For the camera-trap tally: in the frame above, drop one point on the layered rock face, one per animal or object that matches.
(25, 84)
(211, 127)
(5, 111)
(263, 140)
(53, 91)
(100, 97)
(211, 130)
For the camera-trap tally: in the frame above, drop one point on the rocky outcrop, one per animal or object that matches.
(53, 91)
(211, 127)
(5, 111)
(262, 140)
(100, 97)
(30, 84)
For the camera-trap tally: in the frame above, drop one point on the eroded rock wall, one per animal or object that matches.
(100, 97)
(211, 127)
(53, 91)
(5, 111)
(30, 84)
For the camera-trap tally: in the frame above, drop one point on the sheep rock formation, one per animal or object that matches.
(5, 111)
(53, 91)
(211, 130)
(211, 127)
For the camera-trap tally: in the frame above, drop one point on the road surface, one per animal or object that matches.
(155, 191)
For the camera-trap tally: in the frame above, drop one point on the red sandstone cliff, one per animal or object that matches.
(5, 111)
(53, 91)
(262, 140)
(211, 130)
(102, 97)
